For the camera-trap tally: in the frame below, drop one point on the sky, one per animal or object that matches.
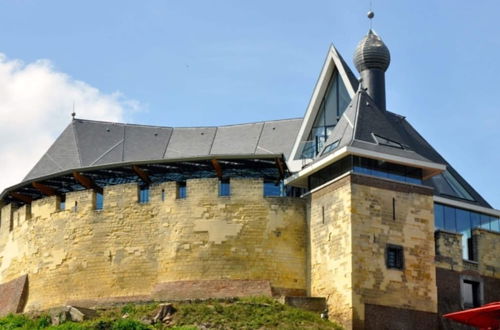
(201, 63)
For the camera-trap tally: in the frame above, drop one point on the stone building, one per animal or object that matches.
(349, 203)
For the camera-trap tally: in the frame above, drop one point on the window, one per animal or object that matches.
(386, 142)
(99, 201)
(224, 187)
(144, 195)
(274, 188)
(394, 256)
(459, 190)
(330, 147)
(62, 203)
(472, 292)
(181, 190)
(333, 104)
(163, 195)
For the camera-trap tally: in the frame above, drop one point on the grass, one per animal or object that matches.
(246, 313)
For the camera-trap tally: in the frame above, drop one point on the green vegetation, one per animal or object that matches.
(247, 313)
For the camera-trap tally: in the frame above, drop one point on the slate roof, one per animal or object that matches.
(363, 121)
(85, 143)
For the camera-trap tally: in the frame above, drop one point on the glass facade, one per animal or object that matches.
(332, 106)
(366, 166)
(387, 170)
(462, 221)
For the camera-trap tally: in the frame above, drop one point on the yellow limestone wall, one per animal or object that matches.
(351, 224)
(127, 248)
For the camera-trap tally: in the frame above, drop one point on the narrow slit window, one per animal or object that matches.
(224, 188)
(181, 190)
(62, 203)
(99, 201)
(394, 209)
(163, 195)
(144, 195)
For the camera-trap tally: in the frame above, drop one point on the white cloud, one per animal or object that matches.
(35, 106)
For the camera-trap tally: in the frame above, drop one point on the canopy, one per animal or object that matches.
(486, 317)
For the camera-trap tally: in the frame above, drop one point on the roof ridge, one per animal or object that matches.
(77, 142)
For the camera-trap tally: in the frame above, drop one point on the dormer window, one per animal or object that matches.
(383, 141)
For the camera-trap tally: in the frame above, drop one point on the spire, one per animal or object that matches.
(372, 58)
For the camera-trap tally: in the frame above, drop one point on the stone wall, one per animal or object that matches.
(352, 221)
(486, 246)
(330, 249)
(128, 248)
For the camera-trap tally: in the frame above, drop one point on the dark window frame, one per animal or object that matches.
(396, 262)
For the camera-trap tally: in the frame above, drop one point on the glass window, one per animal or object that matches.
(62, 203)
(439, 216)
(331, 147)
(449, 219)
(99, 201)
(224, 187)
(273, 188)
(495, 224)
(333, 104)
(181, 190)
(394, 256)
(387, 142)
(456, 186)
(144, 195)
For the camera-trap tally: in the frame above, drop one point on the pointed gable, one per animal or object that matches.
(334, 89)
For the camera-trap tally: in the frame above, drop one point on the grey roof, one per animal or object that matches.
(85, 143)
(363, 119)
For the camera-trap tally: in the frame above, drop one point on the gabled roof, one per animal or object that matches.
(86, 144)
(333, 61)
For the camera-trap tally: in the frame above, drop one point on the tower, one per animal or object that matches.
(370, 215)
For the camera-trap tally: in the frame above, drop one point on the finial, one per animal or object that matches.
(73, 114)
(370, 14)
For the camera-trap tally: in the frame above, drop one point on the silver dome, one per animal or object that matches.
(372, 53)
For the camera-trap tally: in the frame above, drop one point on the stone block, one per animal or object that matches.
(13, 295)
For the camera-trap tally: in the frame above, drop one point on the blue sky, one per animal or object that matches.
(187, 63)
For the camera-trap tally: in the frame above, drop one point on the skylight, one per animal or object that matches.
(386, 142)
(456, 186)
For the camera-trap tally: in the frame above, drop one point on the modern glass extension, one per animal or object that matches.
(463, 221)
(333, 104)
(366, 166)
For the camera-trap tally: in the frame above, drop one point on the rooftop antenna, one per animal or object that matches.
(370, 14)
(73, 114)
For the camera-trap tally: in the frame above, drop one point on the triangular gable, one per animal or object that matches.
(333, 62)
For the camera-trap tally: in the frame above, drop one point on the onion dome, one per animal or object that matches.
(372, 53)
